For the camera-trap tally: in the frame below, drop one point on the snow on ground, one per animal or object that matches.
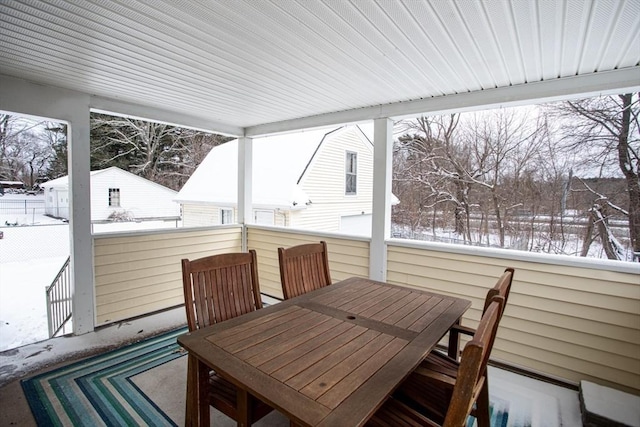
(31, 254)
(23, 315)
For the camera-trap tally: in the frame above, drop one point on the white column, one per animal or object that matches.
(20, 96)
(80, 224)
(245, 187)
(381, 218)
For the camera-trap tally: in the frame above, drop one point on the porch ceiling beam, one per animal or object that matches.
(602, 83)
(120, 108)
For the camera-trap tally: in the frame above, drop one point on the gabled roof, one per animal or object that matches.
(279, 165)
(63, 181)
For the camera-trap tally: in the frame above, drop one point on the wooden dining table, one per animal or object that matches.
(330, 357)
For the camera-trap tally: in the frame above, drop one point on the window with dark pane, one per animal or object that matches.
(114, 197)
(351, 172)
(226, 216)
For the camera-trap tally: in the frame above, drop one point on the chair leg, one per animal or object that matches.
(482, 406)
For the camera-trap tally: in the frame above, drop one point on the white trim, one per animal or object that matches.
(222, 212)
(314, 234)
(510, 254)
(72, 107)
(82, 273)
(381, 204)
(50, 104)
(601, 83)
(133, 233)
(114, 107)
(347, 173)
(245, 185)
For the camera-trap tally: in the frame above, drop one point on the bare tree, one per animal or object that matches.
(504, 143)
(56, 138)
(24, 154)
(159, 152)
(608, 129)
(440, 166)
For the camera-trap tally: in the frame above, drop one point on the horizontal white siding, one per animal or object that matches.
(139, 198)
(347, 257)
(324, 183)
(569, 322)
(203, 215)
(200, 215)
(139, 273)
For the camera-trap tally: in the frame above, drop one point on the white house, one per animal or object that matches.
(115, 195)
(319, 180)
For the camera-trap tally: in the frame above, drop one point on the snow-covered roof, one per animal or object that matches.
(278, 164)
(63, 181)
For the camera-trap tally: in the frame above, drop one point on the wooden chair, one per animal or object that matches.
(304, 268)
(446, 367)
(217, 288)
(431, 398)
(501, 288)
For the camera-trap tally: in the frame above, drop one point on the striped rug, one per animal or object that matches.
(106, 390)
(98, 391)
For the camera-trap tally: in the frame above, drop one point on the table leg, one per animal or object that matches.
(454, 342)
(243, 400)
(191, 407)
(203, 394)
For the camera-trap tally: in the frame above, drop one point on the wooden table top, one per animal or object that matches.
(329, 357)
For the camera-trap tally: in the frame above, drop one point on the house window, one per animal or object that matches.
(114, 197)
(226, 216)
(351, 172)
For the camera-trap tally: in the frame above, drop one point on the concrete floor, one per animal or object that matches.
(32, 359)
(15, 409)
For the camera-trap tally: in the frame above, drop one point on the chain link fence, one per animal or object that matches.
(31, 243)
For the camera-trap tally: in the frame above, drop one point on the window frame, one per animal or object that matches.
(112, 198)
(229, 211)
(351, 173)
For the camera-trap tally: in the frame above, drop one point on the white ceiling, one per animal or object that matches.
(250, 63)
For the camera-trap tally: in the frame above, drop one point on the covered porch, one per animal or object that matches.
(248, 69)
(567, 321)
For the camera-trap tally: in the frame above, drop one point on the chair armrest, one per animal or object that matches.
(454, 338)
(462, 330)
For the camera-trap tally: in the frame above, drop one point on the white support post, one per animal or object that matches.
(245, 188)
(83, 300)
(381, 217)
(22, 97)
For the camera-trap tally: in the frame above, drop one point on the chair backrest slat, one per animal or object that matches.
(501, 288)
(304, 268)
(473, 365)
(220, 287)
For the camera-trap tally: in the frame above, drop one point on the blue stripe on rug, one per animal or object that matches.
(98, 390)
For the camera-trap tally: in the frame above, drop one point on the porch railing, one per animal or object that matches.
(568, 318)
(59, 300)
